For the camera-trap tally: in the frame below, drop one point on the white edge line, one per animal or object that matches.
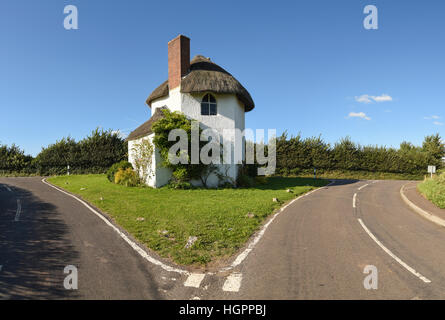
(354, 200)
(362, 187)
(233, 282)
(243, 255)
(392, 255)
(136, 247)
(194, 280)
(18, 211)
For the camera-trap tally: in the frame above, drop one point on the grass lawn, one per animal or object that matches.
(217, 217)
(434, 190)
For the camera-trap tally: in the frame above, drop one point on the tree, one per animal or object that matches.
(434, 147)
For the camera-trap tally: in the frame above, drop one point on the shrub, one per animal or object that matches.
(111, 172)
(441, 178)
(180, 185)
(93, 154)
(127, 177)
(161, 129)
(261, 180)
(244, 181)
(296, 156)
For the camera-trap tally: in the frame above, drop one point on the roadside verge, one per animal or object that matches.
(418, 204)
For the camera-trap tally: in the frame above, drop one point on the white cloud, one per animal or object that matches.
(432, 117)
(358, 115)
(363, 99)
(437, 123)
(366, 98)
(382, 98)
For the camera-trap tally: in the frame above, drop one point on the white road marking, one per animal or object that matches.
(8, 188)
(18, 211)
(354, 200)
(136, 247)
(243, 255)
(392, 255)
(194, 280)
(233, 282)
(363, 186)
(1, 267)
(240, 258)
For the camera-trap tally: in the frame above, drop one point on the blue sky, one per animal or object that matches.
(307, 64)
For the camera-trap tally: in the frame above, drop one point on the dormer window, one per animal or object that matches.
(208, 106)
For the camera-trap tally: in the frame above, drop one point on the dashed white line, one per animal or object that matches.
(363, 186)
(8, 188)
(18, 211)
(392, 255)
(354, 200)
(1, 267)
(194, 280)
(233, 282)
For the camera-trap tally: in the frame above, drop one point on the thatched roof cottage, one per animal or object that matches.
(201, 90)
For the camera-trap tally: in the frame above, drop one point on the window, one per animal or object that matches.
(208, 106)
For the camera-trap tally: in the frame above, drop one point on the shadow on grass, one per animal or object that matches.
(34, 250)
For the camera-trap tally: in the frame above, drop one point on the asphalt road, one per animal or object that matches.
(317, 248)
(54, 231)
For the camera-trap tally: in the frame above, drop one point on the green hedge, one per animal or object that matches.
(93, 154)
(296, 155)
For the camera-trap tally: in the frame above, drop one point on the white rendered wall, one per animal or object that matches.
(230, 115)
(161, 175)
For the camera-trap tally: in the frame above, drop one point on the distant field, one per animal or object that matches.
(434, 190)
(217, 217)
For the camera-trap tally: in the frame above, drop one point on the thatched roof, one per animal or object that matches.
(146, 128)
(206, 76)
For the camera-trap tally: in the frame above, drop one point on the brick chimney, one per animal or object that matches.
(178, 60)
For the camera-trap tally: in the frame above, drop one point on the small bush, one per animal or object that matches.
(261, 180)
(115, 168)
(441, 179)
(180, 175)
(180, 185)
(244, 181)
(127, 177)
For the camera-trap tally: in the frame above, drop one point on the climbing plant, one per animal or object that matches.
(182, 173)
(142, 153)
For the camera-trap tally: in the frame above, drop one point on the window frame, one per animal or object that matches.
(209, 104)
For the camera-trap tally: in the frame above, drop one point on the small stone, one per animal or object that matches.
(101, 199)
(289, 191)
(230, 229)
(191, 241)
(275, 199)
(140, 219)
(250, 215)
(81, 189)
